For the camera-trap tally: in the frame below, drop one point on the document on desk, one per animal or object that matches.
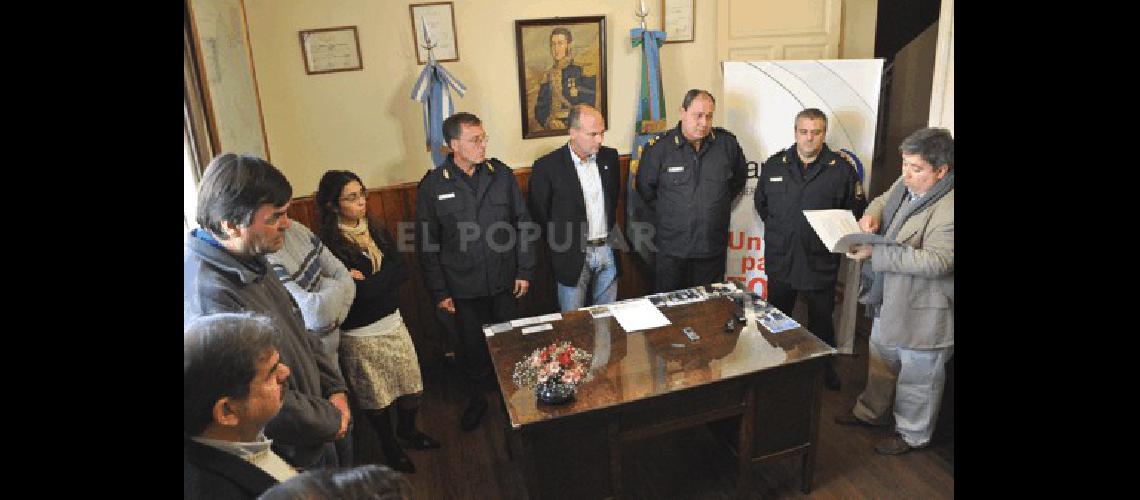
(515, 323)
(639, 314)
(838, 230)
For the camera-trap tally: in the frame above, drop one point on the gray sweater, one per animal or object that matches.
(215, 281)
(317, 280)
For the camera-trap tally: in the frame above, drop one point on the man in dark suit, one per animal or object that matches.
(233, 380)
(573, 197)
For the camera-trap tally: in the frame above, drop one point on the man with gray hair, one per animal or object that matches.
(242, 204)
(911, 294)
(232, 379)
(806, 176)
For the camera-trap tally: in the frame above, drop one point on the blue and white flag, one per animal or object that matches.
(433, 89)
(649, 122)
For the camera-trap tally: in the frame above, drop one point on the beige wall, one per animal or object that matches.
(365, 121)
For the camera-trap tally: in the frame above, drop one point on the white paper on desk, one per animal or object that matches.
(639, 314)
(537, 328)
(491, 330)
(515, 323)
(838, 230)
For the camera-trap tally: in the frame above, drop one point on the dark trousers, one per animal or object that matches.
(470, 316)
(820, 305)
(675, 273)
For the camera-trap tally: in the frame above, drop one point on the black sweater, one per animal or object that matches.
(378, 294)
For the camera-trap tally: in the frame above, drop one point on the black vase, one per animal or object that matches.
(554, 393)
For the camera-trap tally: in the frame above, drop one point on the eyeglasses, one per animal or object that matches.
(354, 197)
(479, 140)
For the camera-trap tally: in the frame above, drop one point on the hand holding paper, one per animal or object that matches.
(838, 230)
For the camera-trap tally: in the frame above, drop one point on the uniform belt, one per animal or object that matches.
(596, 243)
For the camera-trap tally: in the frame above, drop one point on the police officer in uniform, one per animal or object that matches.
(689, 176)
(808, 176)
(475, 246)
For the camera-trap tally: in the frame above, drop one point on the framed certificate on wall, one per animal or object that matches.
(438, 19)
(330, 50)
(678, 20)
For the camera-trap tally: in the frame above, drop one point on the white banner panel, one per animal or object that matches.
(760, 102)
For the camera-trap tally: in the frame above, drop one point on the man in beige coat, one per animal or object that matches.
(911, 294)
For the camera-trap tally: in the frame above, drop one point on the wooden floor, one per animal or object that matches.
(691, 463)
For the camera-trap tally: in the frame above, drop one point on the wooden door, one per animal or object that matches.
(755, 30)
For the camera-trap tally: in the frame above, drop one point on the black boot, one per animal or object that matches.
(473, 413)
(407, 433)
(397, 459)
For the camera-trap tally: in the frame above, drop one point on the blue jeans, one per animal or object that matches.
(600, 271)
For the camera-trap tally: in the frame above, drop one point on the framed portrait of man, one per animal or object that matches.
(562, 62)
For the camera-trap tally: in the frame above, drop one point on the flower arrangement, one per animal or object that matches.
(556, 366)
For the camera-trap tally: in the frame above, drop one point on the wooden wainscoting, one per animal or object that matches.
(396, 204)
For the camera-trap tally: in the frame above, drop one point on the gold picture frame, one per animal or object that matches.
(571, 49)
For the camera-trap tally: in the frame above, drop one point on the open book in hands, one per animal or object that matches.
(839, 231)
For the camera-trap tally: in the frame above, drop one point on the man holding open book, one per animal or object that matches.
(808, 176)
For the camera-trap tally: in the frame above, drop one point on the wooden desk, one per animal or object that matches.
(644, 385)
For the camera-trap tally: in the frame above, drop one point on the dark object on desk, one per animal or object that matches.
(554, 393)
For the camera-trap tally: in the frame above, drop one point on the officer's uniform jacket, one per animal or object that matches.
(470, 241)
(691, 192)
(793, 252)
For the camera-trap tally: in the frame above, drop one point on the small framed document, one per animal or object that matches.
(439, 19)
(678, 20)
(330, 50)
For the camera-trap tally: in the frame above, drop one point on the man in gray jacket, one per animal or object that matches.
(911, 294)
(242, 202)
(323, 289)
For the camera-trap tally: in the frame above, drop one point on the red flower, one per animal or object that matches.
(564, 358)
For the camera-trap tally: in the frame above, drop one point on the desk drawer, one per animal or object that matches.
(681, 409)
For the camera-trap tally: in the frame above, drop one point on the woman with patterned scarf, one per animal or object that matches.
(377, 355)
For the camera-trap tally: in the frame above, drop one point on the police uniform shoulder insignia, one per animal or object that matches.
(490, 167)
(446, 174)
(653, 139)
(846, 157)
(676, 140)
(722, 130)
